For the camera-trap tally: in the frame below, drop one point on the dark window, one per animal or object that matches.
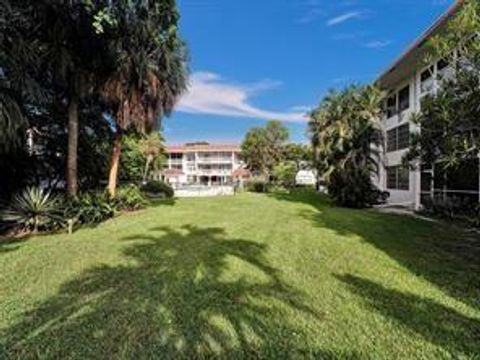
(404, 99)
(398, 178)
(427, 74)
(391, 140)
(403, 137)
(442, 64)
(398, 138)
(403, 178)
(391, 106)
(391, 178)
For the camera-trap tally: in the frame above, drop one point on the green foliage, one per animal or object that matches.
(158, 189)
(33, 209)
(263, 148)
(285, 173)
(347, 137)
(257, 185)
(450, 131)
(300, 154)
(132, 162)
(130, 198)
(90, 208)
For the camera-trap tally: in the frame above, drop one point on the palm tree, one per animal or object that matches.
(151, 147)
(152, 71)
(347, 138)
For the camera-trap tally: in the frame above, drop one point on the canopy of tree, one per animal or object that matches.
(347, 140)
(118, 63)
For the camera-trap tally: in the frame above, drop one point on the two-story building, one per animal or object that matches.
(202, 163)
(407, 81)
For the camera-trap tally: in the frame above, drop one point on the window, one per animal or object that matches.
(404, 98)
(176, 156)
(427, 81)
(398, 138)
(391, 106)
(398, 178)
(403, 137)
(391, 140)
(397, 102)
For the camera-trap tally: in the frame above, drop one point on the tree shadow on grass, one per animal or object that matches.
(180, 294)
(445, 255)
(456, 333)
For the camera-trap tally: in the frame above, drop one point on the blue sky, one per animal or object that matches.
(255, 60)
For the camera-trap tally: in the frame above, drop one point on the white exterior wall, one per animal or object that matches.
(412, 196)
(204, 159)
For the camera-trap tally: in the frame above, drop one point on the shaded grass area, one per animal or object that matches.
(252, 276)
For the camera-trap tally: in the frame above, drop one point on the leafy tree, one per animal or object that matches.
(450, 130)
(152, 149)
(55, 44)
(263, 148)
(19, 59)
(140, 153)
(347, 138)
(150, 70)
(300, 154)
(285, 173)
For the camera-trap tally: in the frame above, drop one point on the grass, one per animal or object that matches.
(251, 276)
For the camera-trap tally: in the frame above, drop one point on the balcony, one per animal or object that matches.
(214, 160)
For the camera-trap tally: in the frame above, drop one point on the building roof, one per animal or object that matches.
(408, 61)
(202, 147)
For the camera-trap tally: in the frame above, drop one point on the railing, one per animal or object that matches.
(214, 160)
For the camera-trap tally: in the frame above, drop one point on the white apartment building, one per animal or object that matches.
(203, 164)
(407, 81)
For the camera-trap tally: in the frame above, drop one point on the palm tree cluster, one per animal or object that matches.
(125, 58)
(347, 139)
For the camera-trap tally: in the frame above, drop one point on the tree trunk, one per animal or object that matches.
(114, 163)
(147, 166)
(72, 180)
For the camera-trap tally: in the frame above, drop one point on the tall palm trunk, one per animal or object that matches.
(115, 162)
(72, 179)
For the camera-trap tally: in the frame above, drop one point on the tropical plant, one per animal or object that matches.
(450, 131)
(89, 208)
(158, 189)
(347, 139)
(151, 148)
(151, 71)
(130, 198)
(33, 209)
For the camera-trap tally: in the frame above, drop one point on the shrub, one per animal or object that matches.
(158, 189)
(33, 209)
(354, 189)
(451, 208)
(285, 174)
(90, 208)
(130, 198)
(257, 185)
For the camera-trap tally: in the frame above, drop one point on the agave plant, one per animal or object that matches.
(32, 209)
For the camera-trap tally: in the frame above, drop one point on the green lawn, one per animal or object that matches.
(251, 276)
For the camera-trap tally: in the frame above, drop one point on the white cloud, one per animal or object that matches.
(344, 17)
(210, 94)
(377, 44)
